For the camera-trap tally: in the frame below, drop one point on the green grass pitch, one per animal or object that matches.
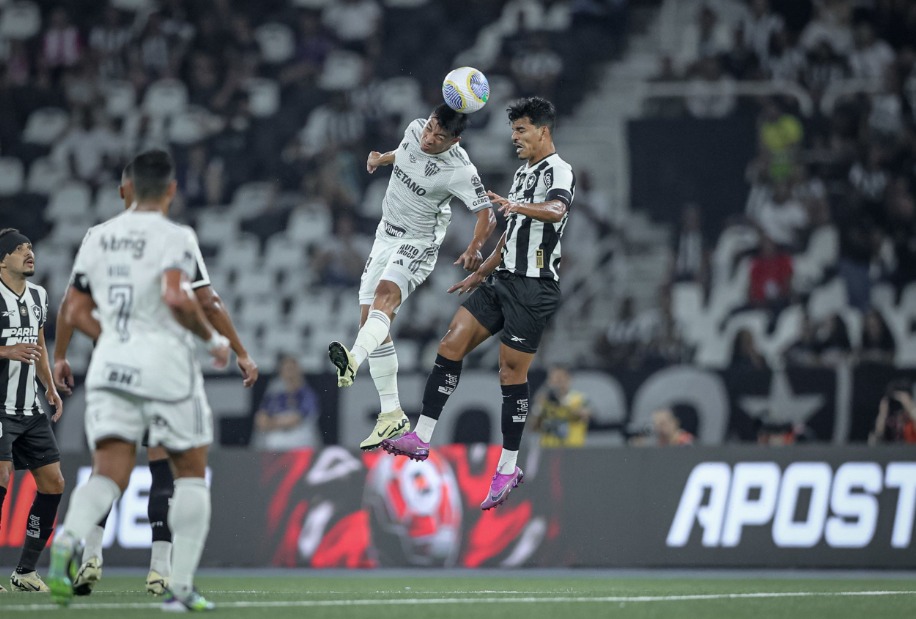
(534, 594)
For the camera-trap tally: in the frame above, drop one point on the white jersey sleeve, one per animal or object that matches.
(466, 186)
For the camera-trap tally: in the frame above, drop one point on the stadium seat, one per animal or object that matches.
(282, 252)
(20, 21)
(308, 223)
(263, 96)
(70, 202)
(45, 175)
(189, 126)
(165, 97)
(276, 41)
(133, 6)
(12, 174)
(343, 70)
(215, 226)
(251, 197)
(400, 95)
(259, 309)
(108, 202)
(295, 281)
(239, 253)
(45, 125)
(120, 98)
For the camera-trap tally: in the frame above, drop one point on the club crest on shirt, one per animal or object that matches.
(531, 181)
(412, 157)
(431, 168)
(36, 311)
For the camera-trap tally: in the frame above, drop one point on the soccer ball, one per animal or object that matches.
(465, 89)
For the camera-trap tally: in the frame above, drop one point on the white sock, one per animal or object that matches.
(93, 543)
(161, 558)
(373, 332)
(383, 366)
(425, 427)
(189, 519)
(507, 460)
(88, 504)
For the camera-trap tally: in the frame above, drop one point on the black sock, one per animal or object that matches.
(38, 531)
(2, 497)
(104, 519)
(514, 414)
(442, 382)
(160, 493)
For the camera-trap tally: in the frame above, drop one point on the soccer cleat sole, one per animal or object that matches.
(518, 482)
(394, 451)
(341, 360)
(375, 441)
(86, 579)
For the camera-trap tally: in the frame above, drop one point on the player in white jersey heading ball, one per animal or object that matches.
(430, 168)
(136, 269)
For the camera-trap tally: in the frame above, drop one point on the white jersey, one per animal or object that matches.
(142, 350)
(416, 203)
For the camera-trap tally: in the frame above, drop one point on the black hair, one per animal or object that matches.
(151, 173)
(128, 171)
(539, 111)
(450, 120)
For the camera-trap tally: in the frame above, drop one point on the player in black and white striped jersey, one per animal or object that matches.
(26, 438)
(518, 300)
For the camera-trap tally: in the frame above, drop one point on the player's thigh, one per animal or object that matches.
(484, 305)
(528, 304)
(465, 333)
(113, 415)
(179, 426)
(409, 266)
(36, 445)
(382, 250)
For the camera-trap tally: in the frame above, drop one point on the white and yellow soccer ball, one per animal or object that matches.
(465, 89)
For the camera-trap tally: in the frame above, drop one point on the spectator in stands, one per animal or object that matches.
(878, 345)
(711, 93)
(860, 241)
(831, 341)
(871, 57)
(155, 53)
(824, 67)
(706, 36)
(780, 433)
(740, 61)
(691, 254)
(288, 415)
(900, 218)
(770, 284)
(108, 42)
(896, 420)
(89, 149)
(745, 355)
(61, 44)
(868, 177)
(665, 345)
(561, 414)
(786, 60)
(666, 431)
(831, 26)
(623, 342)
(200, 178)
(802, 352)
(760, 25)
(779, 136)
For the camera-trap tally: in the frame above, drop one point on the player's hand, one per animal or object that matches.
(468, 284)
(249, 370)
(27, 353)
(470, 260)
(503, 205)
(54, 400)
(63, 376)
(373, 162)
(218, 348)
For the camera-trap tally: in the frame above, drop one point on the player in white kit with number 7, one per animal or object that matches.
(136, 269)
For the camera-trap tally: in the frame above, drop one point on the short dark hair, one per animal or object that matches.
(539, 111)
(450, 120)
(151, 173)
(128, 171)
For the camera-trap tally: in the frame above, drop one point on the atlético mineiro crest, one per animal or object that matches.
(431, 168)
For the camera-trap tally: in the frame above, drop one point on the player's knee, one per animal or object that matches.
(387, 297)
(4, 474)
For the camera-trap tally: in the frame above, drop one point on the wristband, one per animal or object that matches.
(216, 341)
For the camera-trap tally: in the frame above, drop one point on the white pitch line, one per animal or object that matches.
(449, 601)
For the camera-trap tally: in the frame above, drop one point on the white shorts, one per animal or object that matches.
(406, 262)
(177, 426)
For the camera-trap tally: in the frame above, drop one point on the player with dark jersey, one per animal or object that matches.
(518, 299)
(26, 438)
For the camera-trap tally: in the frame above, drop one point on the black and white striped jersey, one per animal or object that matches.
(21, 319)
(532, 247)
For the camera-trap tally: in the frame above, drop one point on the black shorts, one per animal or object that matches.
(519, 306)
(27, 441)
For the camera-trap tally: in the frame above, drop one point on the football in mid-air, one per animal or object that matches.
(465, 89)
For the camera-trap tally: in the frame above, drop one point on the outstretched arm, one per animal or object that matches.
(551, 211)
(471, 259)
(469, 283)
(219, 317)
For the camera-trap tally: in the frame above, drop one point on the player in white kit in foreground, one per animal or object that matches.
(430, 168)
(144, 376)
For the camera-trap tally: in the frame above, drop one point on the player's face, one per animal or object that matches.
(434, 139)
(527, 139)
(21, 262)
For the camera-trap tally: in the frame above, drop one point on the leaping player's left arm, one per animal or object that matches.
(43, 369)
(377, 160)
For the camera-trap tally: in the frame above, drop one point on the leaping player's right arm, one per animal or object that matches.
(377, 160)
(177, 295)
